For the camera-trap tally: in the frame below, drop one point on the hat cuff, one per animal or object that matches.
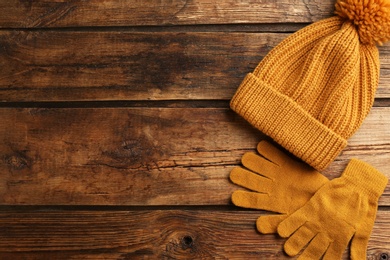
(282, 119)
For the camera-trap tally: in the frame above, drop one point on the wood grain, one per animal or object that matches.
(39, 13)
(143, 156)
(82, 66)
(150, 234)
(89, 175)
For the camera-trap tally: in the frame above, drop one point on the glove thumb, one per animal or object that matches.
(269, 224)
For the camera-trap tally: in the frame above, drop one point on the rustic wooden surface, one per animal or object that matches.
(116, 137)
(74, 65)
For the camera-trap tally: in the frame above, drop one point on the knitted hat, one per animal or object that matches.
(314, 89)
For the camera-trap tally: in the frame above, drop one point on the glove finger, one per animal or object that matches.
(269, 224)
(360, 239)
(292, 223)
(337, 248)
(359, 249)
(260, 165)
(298, 240)
(250, 180)
(272, 153)
(254, 200)
(316, 248)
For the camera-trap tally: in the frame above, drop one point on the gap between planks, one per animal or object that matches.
(261, 27)
(379, 102)
(120, 208)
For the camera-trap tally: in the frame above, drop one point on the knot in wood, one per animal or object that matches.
(187, 240)
(17, 162)
(384, 256)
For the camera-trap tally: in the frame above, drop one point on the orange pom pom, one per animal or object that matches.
(371, 18)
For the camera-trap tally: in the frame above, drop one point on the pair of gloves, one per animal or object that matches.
(314, 212)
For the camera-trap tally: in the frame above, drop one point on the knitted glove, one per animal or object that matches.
(341, 209)
(279, 184)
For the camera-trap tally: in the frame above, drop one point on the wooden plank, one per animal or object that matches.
(79, 66)
(27, 14)
(151, 234)
(143, 156)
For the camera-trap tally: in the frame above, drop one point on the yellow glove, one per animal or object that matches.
(341, 209)
(279, 184)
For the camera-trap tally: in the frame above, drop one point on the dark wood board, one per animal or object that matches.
(84, 66)
(96, 13)
(151, 234)
(143, 156)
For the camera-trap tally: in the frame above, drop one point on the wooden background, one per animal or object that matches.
(116, 137)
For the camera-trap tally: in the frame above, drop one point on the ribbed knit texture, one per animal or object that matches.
(365, 178)
(312, 91)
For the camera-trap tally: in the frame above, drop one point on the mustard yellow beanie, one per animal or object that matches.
(314, 89)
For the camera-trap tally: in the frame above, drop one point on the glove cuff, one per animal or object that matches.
(365, 178)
